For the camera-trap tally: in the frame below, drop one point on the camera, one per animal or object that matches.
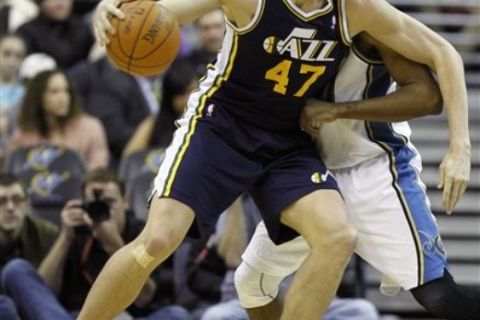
(98, 210)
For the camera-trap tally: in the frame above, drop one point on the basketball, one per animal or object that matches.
(147, 41)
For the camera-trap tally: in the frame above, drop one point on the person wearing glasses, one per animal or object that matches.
(21, 235)
(92, 229)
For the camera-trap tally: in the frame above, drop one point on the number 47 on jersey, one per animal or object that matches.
(281, 72)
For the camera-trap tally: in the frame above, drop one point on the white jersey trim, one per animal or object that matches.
(253, 23)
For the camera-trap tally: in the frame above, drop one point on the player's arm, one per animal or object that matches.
(184, 10)
(418, 94)
(415, 41)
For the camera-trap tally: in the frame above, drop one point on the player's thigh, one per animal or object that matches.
(397, 232)
(299, 195)
(202, 171)
(318, 215)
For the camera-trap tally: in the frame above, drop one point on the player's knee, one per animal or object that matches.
(160, 244)
(255, 289)
(343, 239)
(346, 239)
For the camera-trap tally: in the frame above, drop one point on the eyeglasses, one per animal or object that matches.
(15, 199)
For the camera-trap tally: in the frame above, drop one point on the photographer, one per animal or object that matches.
(92, 230)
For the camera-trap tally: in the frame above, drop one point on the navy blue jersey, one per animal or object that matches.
(268, 69)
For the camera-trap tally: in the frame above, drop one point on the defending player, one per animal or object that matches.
(378, 172)
(241, 133)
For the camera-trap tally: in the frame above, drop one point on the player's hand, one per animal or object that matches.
(454, 176)
(101, 19)
(317, 113)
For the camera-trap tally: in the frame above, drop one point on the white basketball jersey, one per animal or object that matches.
(346, 143)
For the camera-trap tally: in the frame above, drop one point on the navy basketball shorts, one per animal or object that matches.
(214, 158)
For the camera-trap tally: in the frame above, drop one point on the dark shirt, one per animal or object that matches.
(113, 97)
(86, 259)
(84, 262)
(200, 59)
(206, 271)
(34, 242)
(68, 42)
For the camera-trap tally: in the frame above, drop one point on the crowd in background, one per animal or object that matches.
(58, 87)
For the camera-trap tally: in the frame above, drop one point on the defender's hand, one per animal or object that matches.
(317, 113)
(454, 177)
(101, 22)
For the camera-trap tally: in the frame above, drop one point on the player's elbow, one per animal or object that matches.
(430, 98)
(434, 102)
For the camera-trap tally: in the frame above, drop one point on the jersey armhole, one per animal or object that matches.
(253, 23)
(342, 17)
(364, 57)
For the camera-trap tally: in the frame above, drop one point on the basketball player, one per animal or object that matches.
(241, 133)
(378, 172)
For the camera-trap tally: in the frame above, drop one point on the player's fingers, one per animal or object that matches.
(441, 177)
(447, 194)
(100, 32)
(98, 37)
(456, 186)
(115, 11)
(107, 25)
(460, 190)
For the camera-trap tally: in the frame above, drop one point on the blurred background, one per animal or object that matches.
(110, 119)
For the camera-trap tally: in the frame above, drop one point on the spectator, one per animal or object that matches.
(211, 31)
(35, 64)
(21, 236)
(91, 231)
(58, 33)
(12, 53)
(115, 98)
(8, 311)
(157, 131)
(50, 113)
(211, 267)
(14, 13)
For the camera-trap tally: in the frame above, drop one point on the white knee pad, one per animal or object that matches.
(255, 289)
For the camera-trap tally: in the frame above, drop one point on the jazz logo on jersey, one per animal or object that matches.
(301, 45)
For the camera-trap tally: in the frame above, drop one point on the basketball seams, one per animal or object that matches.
(159, 45)
(145, 19)
(151, 32)
(120, 59)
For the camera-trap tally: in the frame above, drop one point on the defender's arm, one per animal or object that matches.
(415, 41)
(417, 96)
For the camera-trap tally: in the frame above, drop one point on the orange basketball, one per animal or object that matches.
(147, 41)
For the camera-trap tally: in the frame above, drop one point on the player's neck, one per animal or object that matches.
(308, 5)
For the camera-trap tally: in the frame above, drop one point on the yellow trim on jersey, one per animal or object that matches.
(252, 24)
(343, 23)
(193, 122)
(304, 15)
